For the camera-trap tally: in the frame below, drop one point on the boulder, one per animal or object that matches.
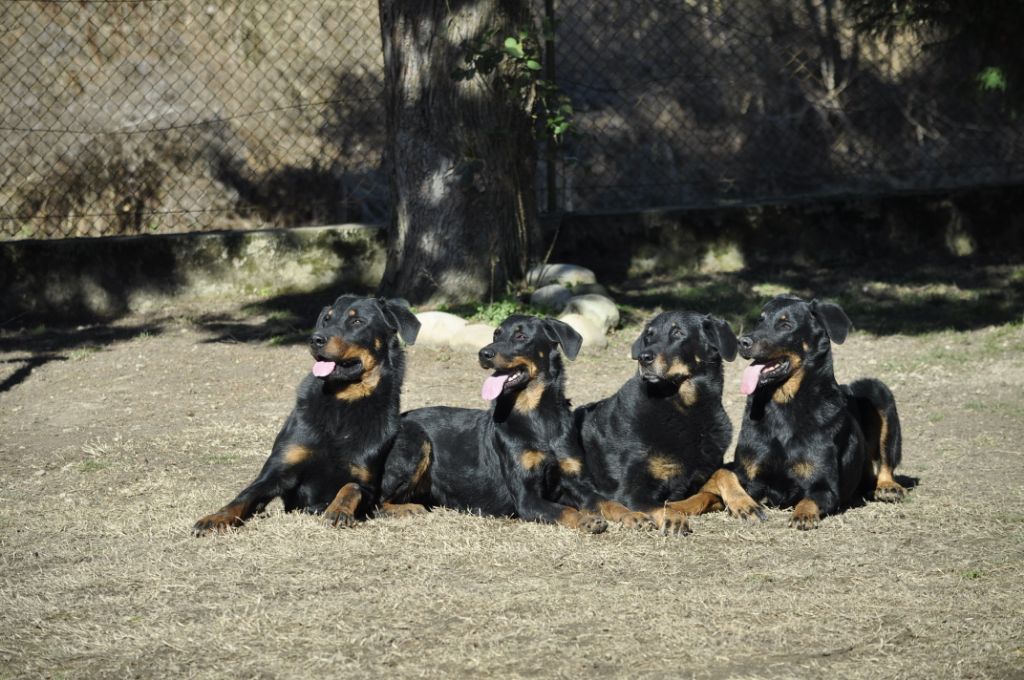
(598, 308)
(473, 337)
(551, 297)
(437, 328)
(565, 274)
(593, 335)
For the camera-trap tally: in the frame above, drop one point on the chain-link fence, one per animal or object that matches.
(138, 116)
(696, 103)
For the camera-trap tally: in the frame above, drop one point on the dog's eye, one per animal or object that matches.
(785, 325)
(356, 321)
(676, 332)
(519, 337)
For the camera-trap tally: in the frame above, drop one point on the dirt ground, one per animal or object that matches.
(114, 439)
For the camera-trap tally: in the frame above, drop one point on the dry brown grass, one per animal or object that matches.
(108, 457)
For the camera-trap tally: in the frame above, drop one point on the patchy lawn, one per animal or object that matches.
(113, 440)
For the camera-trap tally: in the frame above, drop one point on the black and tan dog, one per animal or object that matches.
(521, 457)
(662, 436)
(329, 456)
(806, 441)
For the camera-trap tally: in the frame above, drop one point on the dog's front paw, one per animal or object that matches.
(591, 523)
(401, 509)
(637, 520)
(889, 492)
(337, 517)
(748, 510)
(217, 522)
(671, 522)
(805, 515)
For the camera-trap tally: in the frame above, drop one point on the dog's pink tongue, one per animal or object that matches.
(322, 369)
(493, 386)
(750, 376)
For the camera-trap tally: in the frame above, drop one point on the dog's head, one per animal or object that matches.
(677, 346)
(353, 336)
(790, 336)
(524, 352)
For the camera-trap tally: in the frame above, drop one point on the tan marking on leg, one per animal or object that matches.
(802, 469)
(361, 473)
(342, 510)
(883, 435)
(751, 468)
(584, 521)
(886, 487)
(631, 519)
(401, 509)
(571, 466)
(231, 515)
(725, 485)
(663, 468)
(697, 504)
(806, 515)
(531, 459)
(420, 473)
(670, 522)
(296, 453)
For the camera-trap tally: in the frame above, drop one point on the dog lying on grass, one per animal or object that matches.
(663, 435)
(520, 457)
(329, 456)
(807, 442)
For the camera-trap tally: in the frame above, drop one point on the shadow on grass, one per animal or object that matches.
(883, 302)
(44, 344)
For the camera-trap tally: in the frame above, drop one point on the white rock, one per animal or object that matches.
(565, 274)
(593, 336)
(590, 289)
(598, 308)
(437, 328)
(552, 297)
(473, 337)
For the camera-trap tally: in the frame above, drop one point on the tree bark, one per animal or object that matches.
(461, 155)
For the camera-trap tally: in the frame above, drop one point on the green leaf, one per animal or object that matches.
(514, 47)
(992, 78)
(532, 65)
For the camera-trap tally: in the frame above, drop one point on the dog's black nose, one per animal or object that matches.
(746, 342)
(486, 354)
(318, 340)
(646, 357)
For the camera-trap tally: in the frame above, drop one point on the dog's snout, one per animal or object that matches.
(318, 340)
(646, 357)
(746, 342)
(487, 354)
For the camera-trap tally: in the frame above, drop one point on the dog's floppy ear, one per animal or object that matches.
(833, 318)
(720, 336)
(564, 335)
(400, 318)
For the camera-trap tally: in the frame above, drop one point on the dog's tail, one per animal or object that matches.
(875, 407)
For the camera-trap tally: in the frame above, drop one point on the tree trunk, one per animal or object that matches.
(461, 154)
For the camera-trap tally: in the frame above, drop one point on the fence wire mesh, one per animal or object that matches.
(139, 116)
(699, 103)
